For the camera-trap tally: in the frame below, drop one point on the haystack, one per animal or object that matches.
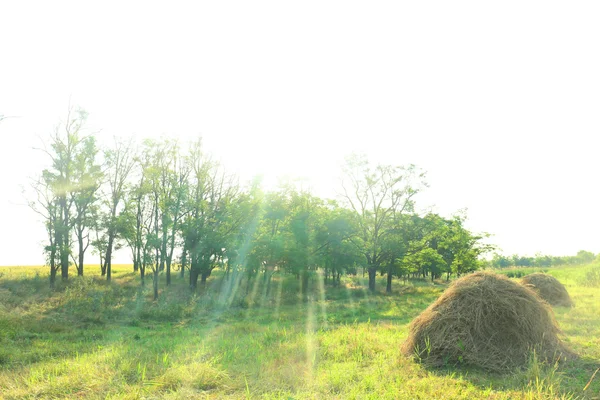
(549, 289)
(485, 320)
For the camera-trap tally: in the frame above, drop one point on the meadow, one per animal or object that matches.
(90, 339)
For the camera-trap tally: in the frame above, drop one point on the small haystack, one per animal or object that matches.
(549, 289)
(485, 320)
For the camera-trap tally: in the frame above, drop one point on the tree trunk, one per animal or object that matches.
(81, 252)
(108, 258)
(168, 262)
(65, 235)
(183, 262)
(64, 264)
(388, 288)
(155, 283)
(194, 273)
(52, 277)
(372, 274)
(136, 264)
(52, 268)
(269, 279)
(305, 276)
(248, 282)
(204, 275)
(143, 274)
(141, 264)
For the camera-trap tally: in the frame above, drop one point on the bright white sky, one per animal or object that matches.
(498, 101)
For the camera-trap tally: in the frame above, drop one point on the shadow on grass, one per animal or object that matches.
(563, 379)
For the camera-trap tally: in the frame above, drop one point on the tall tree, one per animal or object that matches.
(66, 151)
(87, 177)
(119, 163)
(214, 216)
(378, 195)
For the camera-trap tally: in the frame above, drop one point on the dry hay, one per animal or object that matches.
(548, 288)
(485, 320)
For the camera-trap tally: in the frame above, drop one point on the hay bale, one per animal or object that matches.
(485, 320)
(549, 289)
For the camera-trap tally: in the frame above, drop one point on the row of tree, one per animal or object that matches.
(175, 207)
(541, 260)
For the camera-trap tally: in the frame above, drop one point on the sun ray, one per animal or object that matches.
(236, 279)
(278, 297)
(350, 299)
(322, 298)
(253, 294)
(311, 341)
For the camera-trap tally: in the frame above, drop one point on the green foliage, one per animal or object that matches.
(541, 260)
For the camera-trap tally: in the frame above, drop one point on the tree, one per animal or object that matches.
(378, 195)
(405, 238)
(585, 257)
(268, 244)
(168, 177)
(69, 178)
(119, 163)
(458, 250)
(305, 220)
(214, 214)
(500, 261)
(46, 205)
(87, 176)
(337, 242)
(132, 218)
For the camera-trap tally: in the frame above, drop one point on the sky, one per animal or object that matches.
(497, 101)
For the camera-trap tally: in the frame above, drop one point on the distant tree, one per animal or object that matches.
(585, 257)
(500, 261)
(541, 260)
(522, 261)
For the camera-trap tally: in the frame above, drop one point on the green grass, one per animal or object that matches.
(89, 339)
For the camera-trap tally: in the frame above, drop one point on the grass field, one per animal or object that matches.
(89, 339)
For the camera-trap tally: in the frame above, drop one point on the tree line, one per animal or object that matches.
(541, 260)
(178, 211)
